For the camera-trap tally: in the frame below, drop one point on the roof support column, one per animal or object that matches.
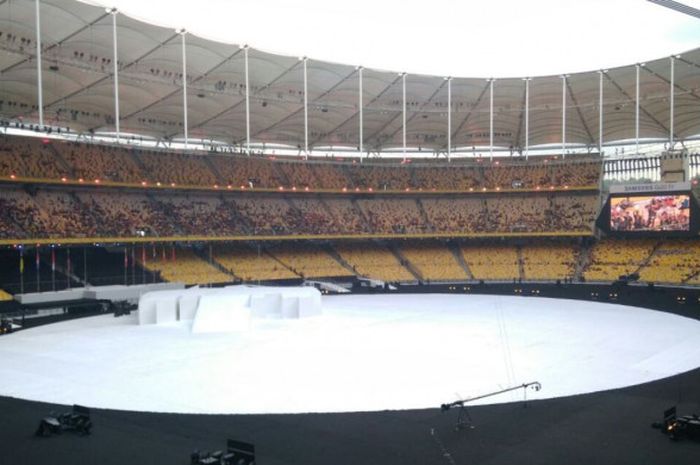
(247, 102)
(491, 118)
(527, 117)
(600, 111)
(40, 93)
(403, 83)
(113, 11)
(306, 112)
(563, 116)
(449, 118)
(636, 107)
(360, 104)
(184, 85)
(672, 92)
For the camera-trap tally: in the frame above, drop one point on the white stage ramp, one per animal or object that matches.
(365, 352)
(230, 308)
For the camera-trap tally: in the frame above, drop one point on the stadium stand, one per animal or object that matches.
(492, 262)
(27, 157)
(186, 267)
(612, 258)
(434, 261)
(308, 261)
(251, 264)
(673, 262)
(93, 161)
(4, 296)
(548, 261)
(375, 261)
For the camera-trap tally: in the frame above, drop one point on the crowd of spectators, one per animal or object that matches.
(99, 212)
(54, 159)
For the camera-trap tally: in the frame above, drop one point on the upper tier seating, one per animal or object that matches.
(56, 159)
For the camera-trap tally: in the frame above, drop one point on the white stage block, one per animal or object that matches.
(267, 305)
(147, 310)
(290, 307)
(309, 305)
(222, 313)
(166, 311)
(187, 306)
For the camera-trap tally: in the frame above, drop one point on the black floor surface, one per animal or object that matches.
(611, 427)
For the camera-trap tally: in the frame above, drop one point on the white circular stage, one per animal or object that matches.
(366, 352)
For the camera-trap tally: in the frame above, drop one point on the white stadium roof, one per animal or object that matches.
(78, 91)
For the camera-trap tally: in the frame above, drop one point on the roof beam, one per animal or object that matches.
(331, 89)
(430, 99)
(578, 111)
(242, 100)
(354, 115)
(631, 99)
(56, 44)
(104, 78)
(471, 110)
(520, 122)
(675, 85)
(175, 92)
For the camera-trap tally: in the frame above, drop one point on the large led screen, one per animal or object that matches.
(654, 213)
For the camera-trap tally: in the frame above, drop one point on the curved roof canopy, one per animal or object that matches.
(78, 91)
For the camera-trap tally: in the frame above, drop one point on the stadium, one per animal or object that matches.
(209, 246)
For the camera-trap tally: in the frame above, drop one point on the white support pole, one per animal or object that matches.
(360, 104)
(527, 117)
(491, 118)
(600, 112)
(40, 92)
(184, 85)
(636, 109)
(247, 102)
(563, 116)
(449, 118)
(306, 112)
(403, 80)
(672, 91)
(113, 11)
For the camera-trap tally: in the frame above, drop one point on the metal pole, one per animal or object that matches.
(116, 72)
(527, 117)
(491, 119)
(361, 113)
(600, 112)
(85, 266)
(306, 112)
(449, 118)
(40, 93)
(68, 267)
(184, 85)
(247, 102)
(563, 116)
(636, 109)
(403, 80)
(671, 136)
(21, 271)
(38, 270)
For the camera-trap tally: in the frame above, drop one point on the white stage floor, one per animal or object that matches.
(379, 352)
